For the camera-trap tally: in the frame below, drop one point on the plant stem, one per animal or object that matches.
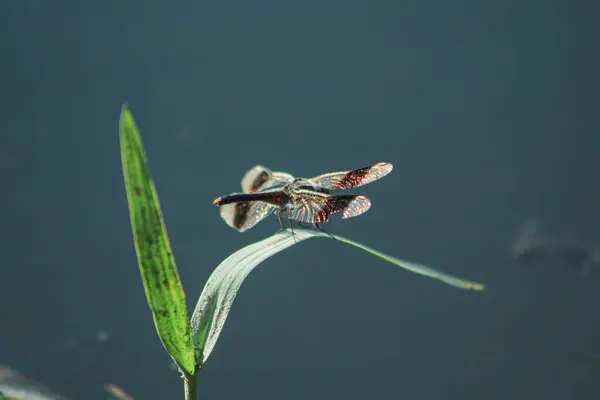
(190, 383)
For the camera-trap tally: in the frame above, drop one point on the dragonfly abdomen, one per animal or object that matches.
(278, 198)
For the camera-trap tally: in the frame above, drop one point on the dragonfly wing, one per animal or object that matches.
(318, 207)
(260, 178)
(244, 215)
(351, 206)
(310, 208)
(350, 179)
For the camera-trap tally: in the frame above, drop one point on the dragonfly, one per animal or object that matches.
(304, 200)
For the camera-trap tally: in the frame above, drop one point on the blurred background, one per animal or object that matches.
(488, 111)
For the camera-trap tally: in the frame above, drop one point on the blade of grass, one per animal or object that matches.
(116, 392)
(14, 386)
(222, 286)
(164, 292)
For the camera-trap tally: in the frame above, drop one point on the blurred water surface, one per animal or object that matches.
(488, 112)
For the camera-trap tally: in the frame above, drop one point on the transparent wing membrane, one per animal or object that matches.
(351, 179)
(244, 215)
(318, 208)
(261, 178)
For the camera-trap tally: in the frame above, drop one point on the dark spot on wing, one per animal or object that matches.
(259, 181)
(320, 216)
(332, 205)
(353, 178)
(240, 214)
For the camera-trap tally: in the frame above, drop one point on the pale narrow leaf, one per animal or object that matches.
(221, 288)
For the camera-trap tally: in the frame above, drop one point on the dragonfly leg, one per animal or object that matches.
(327, 233)
(281, 227)
(278, 212)
(291, 227)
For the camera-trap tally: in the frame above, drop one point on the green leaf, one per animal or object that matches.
(163, 288)
(221, 288)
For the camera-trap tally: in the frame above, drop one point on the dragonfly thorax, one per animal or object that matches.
(301, 185)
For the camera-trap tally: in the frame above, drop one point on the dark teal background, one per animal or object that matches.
(488, 111)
